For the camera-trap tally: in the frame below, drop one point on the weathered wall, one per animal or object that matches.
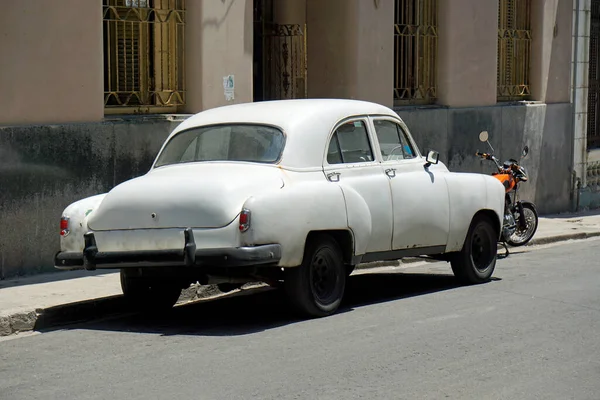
(546, 129)
(45, 168)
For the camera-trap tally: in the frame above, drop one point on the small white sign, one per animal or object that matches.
(229, 87)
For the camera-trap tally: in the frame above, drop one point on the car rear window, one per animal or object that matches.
(250, 143)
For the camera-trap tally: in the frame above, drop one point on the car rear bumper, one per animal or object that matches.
(188, 256)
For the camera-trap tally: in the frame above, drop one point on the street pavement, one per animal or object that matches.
(402, 333)
(38, 302)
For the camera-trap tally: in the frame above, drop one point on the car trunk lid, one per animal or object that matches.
(197, 195)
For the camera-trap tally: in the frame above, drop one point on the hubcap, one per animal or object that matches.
(324, 277)
(481, 249)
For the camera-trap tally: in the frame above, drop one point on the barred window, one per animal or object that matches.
(415, 51)
(593, 119)
(143, 55)
(514, 49)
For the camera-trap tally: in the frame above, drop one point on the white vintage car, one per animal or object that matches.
(295, 192)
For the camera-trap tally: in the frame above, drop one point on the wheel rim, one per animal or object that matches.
(522, 235)
(324, 277)
(482, 249)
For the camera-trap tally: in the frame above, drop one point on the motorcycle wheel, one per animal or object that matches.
(522, 236)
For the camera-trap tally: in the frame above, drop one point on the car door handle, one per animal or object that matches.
(333, 176)
(391, 172)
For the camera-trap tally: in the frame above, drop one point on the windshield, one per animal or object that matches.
(252, 143)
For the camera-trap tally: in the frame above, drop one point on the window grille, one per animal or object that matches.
(143, 54)
(593, 131)
(415, 51)
(514, 49)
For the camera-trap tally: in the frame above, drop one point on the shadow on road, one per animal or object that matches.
(267, 309)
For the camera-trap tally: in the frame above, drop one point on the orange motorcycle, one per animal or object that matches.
(520, 217)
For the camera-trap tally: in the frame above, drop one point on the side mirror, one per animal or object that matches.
(433, 157)
(525, 151)
(484, 136)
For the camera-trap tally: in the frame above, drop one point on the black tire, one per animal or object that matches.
(228, 287)
(149, 294)
(316, 287)
(350, 269)
(522, 237)
(476, 262)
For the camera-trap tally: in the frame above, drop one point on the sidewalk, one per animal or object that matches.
(42, 301)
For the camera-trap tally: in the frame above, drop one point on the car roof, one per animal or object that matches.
(306, 123)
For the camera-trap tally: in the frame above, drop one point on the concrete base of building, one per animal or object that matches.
(589, 198)
(545, 128)
(44, 168)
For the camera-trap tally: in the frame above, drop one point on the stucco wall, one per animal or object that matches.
(45, 168)
(350, 49)
(219, 42)
(551, 26)
(467, 52)
(51, 61)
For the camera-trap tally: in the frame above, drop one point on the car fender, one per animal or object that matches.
(78, 213)
(288, 215)
(468, 194)
(359, 219)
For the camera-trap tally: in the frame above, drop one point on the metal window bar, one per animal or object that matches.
(593, 130)
(514, 49)
(143, 54)
(415, 51)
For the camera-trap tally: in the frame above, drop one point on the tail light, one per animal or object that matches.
(64, 226)
(244, 220)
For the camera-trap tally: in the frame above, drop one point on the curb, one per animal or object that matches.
(394, 263)
(103, 307)
(71, 313)
(563, 238)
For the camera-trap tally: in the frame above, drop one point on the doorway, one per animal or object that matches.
(279, 55)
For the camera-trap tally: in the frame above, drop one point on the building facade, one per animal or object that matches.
(92, 87)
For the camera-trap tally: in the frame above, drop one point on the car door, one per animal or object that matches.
(350, 163)
(420, 201)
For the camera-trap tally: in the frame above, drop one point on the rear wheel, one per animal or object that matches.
(522, 236)
(476, 262)
(316, 287)
(149, 294)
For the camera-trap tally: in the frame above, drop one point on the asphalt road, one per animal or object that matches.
(533, 333)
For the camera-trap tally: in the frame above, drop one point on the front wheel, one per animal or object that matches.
(476, 262)
(316, 287)
(522, 236)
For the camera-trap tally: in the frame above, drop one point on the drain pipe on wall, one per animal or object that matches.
(576, 182)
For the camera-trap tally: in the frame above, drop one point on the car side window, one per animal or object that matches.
(350, 144)
(393, 142)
